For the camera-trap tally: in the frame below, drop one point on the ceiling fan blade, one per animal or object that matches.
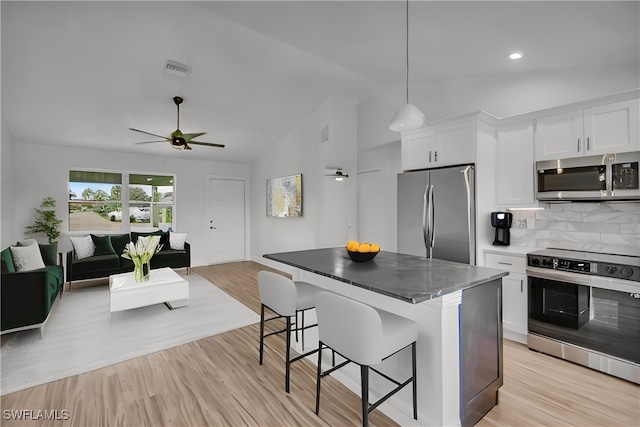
(149, 133)
(149, 142)
(189, 136)
(208, 144)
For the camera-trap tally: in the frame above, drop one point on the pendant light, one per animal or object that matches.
(407, 116)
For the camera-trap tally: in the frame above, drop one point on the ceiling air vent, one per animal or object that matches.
(177, 69)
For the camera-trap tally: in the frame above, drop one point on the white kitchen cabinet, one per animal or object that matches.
(514, 294)
(438, 146)
(515, 168)
(610, 128)
(415, 149)
(454, 144)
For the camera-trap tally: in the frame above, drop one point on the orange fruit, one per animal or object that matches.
(364, 248)
(375, 247)
(352, 246)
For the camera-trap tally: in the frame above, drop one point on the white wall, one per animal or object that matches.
(42, 171)
(301, 151)
(7, 179)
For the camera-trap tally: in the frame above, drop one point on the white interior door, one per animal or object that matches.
(226, 221)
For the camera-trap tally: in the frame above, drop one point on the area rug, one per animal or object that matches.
(82, 335)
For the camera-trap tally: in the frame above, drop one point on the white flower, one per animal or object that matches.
(143, 249)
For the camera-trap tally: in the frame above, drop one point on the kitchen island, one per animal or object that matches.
(458, 311)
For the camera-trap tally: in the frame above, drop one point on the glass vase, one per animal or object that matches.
(146, 271)
(138, 274)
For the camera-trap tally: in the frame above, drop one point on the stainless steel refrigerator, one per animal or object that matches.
(436, 213)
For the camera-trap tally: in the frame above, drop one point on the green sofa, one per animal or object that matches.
(28, 296)
(105, 263)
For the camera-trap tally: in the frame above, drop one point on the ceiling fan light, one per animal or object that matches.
(407, 117)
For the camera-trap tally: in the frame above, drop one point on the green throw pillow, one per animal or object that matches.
(164, 241)
(119, 241)
(6, 258)
(103, 245)
(49, 254)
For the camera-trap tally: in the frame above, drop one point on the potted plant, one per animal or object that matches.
(47, 222)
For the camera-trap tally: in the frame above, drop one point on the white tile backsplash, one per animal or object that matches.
(598, 227)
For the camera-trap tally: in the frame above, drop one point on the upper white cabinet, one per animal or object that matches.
(611, 128)
(454, 144)
(438, 146)
(416, 148)
(515, 165)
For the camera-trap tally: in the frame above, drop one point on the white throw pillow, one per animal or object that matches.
(27, 258)
(83, 246)
(176, 240)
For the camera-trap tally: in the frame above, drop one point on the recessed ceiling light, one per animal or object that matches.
(515, 55)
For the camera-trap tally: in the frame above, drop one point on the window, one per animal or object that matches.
(98, 199)
(95, 201)
(150, 201)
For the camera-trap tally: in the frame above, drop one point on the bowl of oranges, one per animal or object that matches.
(362, 252)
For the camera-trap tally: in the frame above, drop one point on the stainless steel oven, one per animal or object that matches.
(585, 307)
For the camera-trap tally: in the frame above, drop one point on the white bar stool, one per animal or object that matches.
(365, 336)
(286, 299)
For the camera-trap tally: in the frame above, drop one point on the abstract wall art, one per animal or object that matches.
(284, 196)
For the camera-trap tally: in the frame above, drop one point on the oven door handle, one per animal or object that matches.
(559, 276)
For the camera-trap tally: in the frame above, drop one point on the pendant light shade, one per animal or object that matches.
(407, 116)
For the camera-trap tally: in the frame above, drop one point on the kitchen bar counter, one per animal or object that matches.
(406, 277)
(458, 311)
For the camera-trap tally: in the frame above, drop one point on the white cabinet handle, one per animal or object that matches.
(504, 263)
(521, 286)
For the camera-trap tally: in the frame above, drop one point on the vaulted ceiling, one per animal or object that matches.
(80, 74)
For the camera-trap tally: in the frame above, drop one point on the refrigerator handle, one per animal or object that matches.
(427, 219)
(467, 182)
(425, 206)
(432, 218)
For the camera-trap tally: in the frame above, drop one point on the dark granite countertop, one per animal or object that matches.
(405, 277)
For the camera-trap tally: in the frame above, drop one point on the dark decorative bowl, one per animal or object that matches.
(362, 257)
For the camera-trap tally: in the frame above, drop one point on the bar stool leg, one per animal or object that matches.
(261, 332)
(288, 354)
(318, 376)
(302, 333)
(415, 383)
(364, 373)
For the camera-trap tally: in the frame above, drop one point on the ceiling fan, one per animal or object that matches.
(179, 140)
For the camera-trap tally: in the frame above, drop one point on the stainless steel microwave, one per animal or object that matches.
(591, 178)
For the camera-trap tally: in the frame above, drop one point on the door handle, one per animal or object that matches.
(212, 228)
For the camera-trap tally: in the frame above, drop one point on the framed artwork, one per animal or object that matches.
(284, 196)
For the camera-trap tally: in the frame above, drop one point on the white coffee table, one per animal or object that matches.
(164, 286)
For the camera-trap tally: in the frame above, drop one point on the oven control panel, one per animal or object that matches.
(618, 271)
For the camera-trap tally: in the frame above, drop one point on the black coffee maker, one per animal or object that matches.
(501, 221)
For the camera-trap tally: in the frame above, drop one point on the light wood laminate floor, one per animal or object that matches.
(217, 381)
